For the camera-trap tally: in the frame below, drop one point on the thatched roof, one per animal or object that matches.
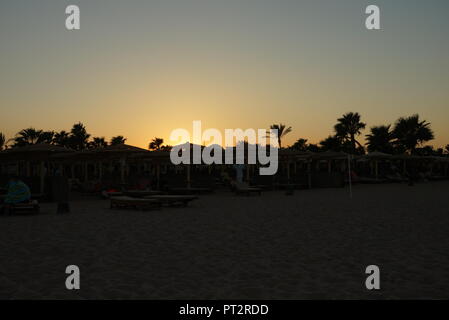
(108, 152)
(120, 148)
(377, 154)
(41, 147)
(32, 152)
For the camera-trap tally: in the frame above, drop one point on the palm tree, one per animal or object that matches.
(411, 132)
(46, 137)
(2, 141)
(282, 131)
(300, 145)
(156, 144)
(26, 137)
(348, 127)
(331, 143)
(380, 139)
(313, 147)
(61, 138)
(166, 147)
(79, 137)
(117, 140)
(98, 142)
(426, 151)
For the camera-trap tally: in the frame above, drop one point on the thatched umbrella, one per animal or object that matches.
(376, 156)
(36, 152)
(121, 151)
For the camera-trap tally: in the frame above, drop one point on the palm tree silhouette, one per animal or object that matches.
(282, 131)
(380, 139)
(300, 145)
(27, 136)
(331, 143)
(348, 127)
(79, 137)
(156, 144)
(166, 147)
(61, 138)
(98, 142)
(411, 132)
(46, 137)
(117, 140)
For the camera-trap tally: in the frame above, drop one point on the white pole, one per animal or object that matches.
(350, 179)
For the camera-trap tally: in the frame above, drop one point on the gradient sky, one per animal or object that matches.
(143, 68)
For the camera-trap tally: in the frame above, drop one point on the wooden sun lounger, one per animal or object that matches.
(108, 195)
(172, 200)
(135, 203)
(140, 193)
(31, 207)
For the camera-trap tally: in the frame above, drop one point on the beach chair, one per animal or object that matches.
(140, 193)
(125, 202)
(31, 207)
(109, 194)
(172, 200)
(243, 188)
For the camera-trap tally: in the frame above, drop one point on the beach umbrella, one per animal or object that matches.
(376, 156)
(37, 152)
(122, 151)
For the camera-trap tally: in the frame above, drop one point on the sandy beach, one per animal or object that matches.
(315, 244)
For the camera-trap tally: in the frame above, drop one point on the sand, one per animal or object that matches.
(315, 244)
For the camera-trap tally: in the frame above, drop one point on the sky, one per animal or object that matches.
(144, 68)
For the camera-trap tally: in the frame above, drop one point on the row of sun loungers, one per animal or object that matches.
(140, 193)
(150, 202)
(125, 202)
(146, 193)
(31, 207)
(172, 200)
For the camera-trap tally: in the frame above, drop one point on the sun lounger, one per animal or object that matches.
(31, 207)
(243, 188)
(140, 193)
(110, 194)
(172, 200)
(135, 203)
